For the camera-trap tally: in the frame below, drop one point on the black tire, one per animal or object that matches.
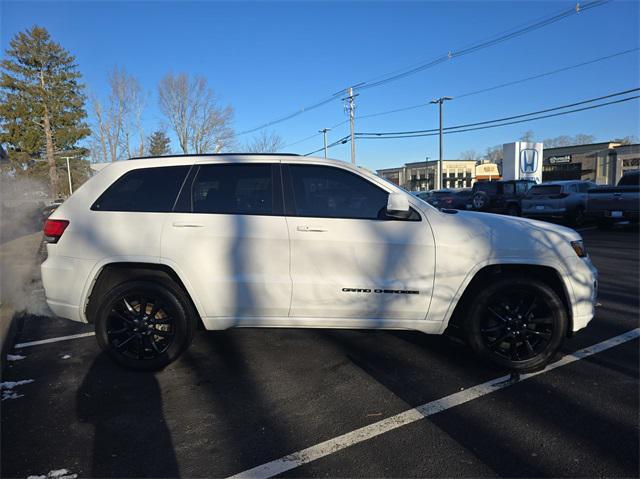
(605, 224)
(577, 218)
(496, 328)
(480, 201)
(145, 338)
(513, 209)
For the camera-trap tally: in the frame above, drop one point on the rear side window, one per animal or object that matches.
(244, 189)
(487, 186)
(144, 190)
(327, 192)
(545, 190)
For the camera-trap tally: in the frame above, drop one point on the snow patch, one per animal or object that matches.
(7, 388)
(55, 474)
(66, 356)
(14, 357)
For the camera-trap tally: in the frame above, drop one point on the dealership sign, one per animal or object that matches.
(553, 160)
(522, 160)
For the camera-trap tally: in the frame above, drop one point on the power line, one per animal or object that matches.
(341, 141)
(501, 37)
(502, 85)
(502, 124)
(591, 100)
(483, 90)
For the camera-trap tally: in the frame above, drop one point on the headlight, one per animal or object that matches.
(578, 247)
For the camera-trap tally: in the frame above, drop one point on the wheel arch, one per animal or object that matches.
(112, 274)
(489, 273)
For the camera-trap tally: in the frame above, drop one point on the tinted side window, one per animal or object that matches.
(146, 189)
(508, 188)
(323, 191)
(522, 188)
(573, 188)
(245, 189)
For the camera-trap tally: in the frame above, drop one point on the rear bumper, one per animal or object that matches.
(64, 280)
(624, 215)
(545, 213)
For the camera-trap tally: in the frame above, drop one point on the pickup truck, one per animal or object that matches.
(608, 205)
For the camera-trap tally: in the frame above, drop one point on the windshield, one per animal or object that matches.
(630, 179)
(545, 190)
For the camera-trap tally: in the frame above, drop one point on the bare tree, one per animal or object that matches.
(565, 140)
(121, 119)
(493, 154)
(527, 136)
(193, 112)
(470, 155)
(265, 142)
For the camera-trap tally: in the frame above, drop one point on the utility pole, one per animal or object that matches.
(351, 107)
(440, 101)
(68, 173)
(426, 174)
(324, 134)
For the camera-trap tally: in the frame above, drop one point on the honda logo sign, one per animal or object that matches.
(528, 161)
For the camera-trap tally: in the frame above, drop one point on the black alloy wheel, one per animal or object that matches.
(140, 327)
(518, 324)
(145, 325)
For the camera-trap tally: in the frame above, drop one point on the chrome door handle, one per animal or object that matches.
(318, 229)
(187, 224)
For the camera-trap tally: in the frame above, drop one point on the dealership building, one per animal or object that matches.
(421, 175)
(603, 163)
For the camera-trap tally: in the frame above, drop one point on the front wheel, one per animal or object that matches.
(516, 323)
(145, 325)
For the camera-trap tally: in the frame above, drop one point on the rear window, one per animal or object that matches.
(545, 190)
(144, 190)
(488, 186)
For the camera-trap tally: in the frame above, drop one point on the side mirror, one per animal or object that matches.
(398, 206)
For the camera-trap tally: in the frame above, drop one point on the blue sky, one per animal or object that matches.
(268, 59)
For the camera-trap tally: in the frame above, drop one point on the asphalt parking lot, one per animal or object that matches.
(240, 399)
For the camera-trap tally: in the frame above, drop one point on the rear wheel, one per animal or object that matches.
(518, 324)
(480, 200)
(145, 325)
(605, 224)
(513, 210)
(577, 218)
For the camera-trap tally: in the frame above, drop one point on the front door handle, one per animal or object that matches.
(318, 229)
(187, 224)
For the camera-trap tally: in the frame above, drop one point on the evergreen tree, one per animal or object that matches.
(159, 144)
(41, 105)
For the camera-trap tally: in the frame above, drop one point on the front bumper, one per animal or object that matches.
(581, 282)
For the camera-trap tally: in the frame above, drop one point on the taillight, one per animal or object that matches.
(53, 230)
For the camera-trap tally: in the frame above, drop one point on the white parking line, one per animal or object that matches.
(336, 444)
(53, 340)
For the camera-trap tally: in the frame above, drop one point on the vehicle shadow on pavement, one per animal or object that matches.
(131, 438)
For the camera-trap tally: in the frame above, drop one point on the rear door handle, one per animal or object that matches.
(312, 228)
(187, 224)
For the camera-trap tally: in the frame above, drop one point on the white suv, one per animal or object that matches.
(149, 248)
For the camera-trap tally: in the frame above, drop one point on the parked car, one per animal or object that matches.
(146, 250)
(500, 196)
(50, 207)
(566, 200)
(611, 204)
(457, 199)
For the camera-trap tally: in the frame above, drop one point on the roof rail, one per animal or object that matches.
(187, 155)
